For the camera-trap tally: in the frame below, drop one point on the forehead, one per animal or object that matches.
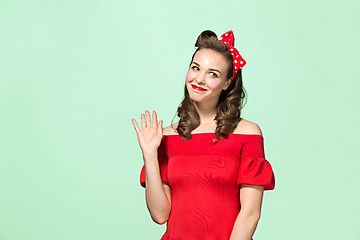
(211, 59)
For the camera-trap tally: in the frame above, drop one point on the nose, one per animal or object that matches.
(200, 79)
(199, 76)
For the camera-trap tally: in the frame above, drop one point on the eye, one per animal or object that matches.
(214, 74)
(195, 68)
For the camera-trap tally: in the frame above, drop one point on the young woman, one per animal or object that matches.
(205, 175)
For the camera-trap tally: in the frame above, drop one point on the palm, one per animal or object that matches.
(151, 134)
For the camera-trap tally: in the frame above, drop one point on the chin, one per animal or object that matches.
(195, 96)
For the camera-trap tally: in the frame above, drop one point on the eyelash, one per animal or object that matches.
(215, 75)
(193, 67)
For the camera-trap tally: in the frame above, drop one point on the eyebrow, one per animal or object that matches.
(212, 69)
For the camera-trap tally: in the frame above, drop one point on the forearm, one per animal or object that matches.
(244, 227)
(156, 198)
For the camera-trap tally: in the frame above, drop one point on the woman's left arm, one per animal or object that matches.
(250, 199)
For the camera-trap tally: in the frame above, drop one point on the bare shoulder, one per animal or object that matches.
(169, 130)
(247, 127)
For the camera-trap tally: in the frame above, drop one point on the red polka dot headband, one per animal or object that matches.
(238, 61)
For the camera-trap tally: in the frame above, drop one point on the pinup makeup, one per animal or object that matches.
(198, 88)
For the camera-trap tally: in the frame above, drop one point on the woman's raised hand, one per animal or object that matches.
(150, 135)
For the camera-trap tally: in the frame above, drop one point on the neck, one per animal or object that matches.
(206, 112)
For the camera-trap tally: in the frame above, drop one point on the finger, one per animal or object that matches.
(154, 123)
(160, 126)
(148, 118)
(136, 126)
(143, 122)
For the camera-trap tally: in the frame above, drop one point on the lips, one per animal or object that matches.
(198, 88)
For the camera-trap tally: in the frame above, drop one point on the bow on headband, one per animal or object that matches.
(238, 61)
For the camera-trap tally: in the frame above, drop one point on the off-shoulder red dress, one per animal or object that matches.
(204, 180)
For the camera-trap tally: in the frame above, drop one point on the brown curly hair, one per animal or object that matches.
(231, 100)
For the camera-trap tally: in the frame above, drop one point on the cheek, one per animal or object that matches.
(190, 76)
(214, 84)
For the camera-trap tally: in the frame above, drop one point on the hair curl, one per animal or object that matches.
(231, 100)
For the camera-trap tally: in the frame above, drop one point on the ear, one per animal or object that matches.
(227, 84)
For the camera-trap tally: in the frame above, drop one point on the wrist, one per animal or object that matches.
(149, 153)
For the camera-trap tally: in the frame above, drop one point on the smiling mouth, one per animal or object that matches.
(198, 88)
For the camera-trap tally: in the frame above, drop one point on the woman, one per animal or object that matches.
(205, 175)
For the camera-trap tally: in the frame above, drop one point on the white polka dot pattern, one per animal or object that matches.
(238, 61)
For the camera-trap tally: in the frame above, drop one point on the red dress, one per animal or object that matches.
(205, 180)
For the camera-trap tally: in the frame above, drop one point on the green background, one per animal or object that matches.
(74, 73)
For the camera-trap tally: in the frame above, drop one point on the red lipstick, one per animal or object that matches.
(198, 88)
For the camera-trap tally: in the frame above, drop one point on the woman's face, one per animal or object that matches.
(206, 77)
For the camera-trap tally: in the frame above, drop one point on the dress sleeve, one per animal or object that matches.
(254, 169)
(162, 165)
